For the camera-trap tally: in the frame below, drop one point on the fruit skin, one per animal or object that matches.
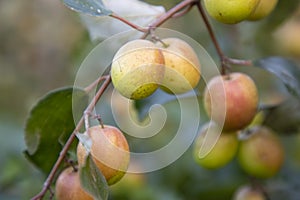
(182, 71)
(231, 99)
(263, 9)
(68, 186)
(248, 193)
(223, 150)
(110, 152)
(137, 69)
(230, 11)
(262, 154)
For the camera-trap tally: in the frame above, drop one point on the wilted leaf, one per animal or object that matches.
(93, 181)
(286, 70)
(137, 12)
(90, 7)
(50, 123)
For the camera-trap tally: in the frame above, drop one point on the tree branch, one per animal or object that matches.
(66, 147)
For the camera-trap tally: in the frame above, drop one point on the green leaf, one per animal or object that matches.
(93, 181)
(158, 97)
(285, 118)
(90, 7)
(50, 123)
(286, 70)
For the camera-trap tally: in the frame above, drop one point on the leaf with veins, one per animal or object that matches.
(135, 11)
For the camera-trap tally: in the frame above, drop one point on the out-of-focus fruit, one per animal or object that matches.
(248, 193)
(262, 154)
(68, 186)
(213, 148)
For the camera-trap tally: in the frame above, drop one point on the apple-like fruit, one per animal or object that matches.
(230, 12)
(109, 150)
(287, 36)
(68, 186)
(182, 72)
(213, 148)
(137, 69)
(263, 9)
(231, 100)
(248, 193)
(262, 154)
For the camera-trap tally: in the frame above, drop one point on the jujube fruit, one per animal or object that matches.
(182, 72)
(231, 100)
(109, 150)
(68, 186)
(137, 69)
(262, 154)
(218, 148)
(230, 11)
(248, 193)
(263, 9)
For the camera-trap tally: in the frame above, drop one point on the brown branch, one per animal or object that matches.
(66, 147)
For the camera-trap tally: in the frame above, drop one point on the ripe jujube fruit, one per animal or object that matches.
(109, 150)
(68, 186)
(213, 148)
(230, 12)
(182, 72)
(262, 154)
(231, 100)
(137, 69)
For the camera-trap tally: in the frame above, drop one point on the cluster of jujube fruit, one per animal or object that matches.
(231, 102)
(138, 69)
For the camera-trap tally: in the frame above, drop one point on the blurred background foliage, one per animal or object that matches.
(42, 44)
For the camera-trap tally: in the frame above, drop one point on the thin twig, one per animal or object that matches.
(89, 88)
(183, 12)
(225, 61)
(238, 61)
(65, 149)
(169, 14)
(210, 31)
(139, 28)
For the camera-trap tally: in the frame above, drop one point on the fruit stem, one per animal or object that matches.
(69, 142)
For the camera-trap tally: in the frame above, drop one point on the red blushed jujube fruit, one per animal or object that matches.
(261, 155)
(231, 100)
(68, 186)
(110, 152)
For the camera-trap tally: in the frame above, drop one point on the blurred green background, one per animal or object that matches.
(42, 44)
